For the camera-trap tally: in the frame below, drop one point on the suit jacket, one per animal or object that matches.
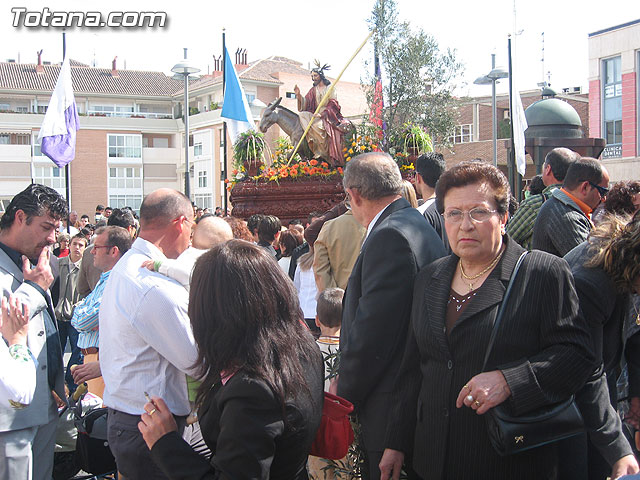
(40, 411)
(542, 349)
(89, 273)
(242, 422)
(376, 309)
(336, 250)
(560, 225)
(68, 294)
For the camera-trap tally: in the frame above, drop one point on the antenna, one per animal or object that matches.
(542, 59)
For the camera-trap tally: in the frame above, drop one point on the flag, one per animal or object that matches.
(235, 108)
(58, 131)
(375, 115)
(519, 126)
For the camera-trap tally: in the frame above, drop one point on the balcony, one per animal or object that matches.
(15, 153)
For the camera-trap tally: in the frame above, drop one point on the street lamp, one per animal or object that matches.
(492, 78)
(184, 68)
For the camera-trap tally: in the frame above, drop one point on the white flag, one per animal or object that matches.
(519, 126)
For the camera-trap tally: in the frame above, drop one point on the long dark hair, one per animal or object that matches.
(245, 316)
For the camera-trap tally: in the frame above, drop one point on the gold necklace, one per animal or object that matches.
(474, 277)
(637, 313)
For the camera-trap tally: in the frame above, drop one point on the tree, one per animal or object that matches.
(418, 77)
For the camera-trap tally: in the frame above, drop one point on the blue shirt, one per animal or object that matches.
(87, 313)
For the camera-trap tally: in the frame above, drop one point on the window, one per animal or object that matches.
(42, 108)
(50, 176)
(197, 149)
(125, 177)
(250, 97)
(203, 200)
(612, 106)
(291, 95)
(125, 146)
(125, 187)
(202, 179)
(462, 134)
(35, 147)
(22, 109)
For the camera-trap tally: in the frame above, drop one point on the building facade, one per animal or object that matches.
(614, 76)
(473, 136)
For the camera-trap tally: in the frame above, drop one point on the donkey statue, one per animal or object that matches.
(289, 122)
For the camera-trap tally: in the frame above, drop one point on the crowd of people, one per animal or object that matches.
(211, 339)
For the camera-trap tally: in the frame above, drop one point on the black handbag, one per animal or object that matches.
(510, 434)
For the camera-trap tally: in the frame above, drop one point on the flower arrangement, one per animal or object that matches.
(361, 140)
(280, 156)
(249, 147)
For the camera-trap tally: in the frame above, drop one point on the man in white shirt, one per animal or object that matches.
(146, 342)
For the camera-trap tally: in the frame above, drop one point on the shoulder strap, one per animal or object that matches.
(496, 323)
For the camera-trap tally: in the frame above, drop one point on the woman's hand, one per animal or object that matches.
(148, 264)
(157, 422)
(14, 321)
(484, 391)
(391, 464)
(625, 466)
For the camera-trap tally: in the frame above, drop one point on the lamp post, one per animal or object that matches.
(184, 69)
(492, 78)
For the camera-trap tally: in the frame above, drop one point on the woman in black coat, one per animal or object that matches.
(605, 268)
(262, 394)
(541, 354)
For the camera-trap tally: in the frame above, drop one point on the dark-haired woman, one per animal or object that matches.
(605, 269)
(261, 397)
(540, 356)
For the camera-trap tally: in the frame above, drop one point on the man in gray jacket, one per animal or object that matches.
(564, 221)
(27, 229)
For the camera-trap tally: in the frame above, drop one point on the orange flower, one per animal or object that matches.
(226, 180)
(234, 172)
(324, 164)
(306, 170)
(340, 170)
(271, 172)
(344, 149)
(313, 162)
(284, 174)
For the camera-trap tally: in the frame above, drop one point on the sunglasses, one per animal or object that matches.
(601, 190)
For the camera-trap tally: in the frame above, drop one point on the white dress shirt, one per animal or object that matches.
(146, 342)
(305, 282)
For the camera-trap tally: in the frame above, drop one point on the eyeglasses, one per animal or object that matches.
(477, 215)
(96, 247)
(601, 190)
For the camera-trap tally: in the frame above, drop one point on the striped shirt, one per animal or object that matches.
(87, 313)
(520, 226)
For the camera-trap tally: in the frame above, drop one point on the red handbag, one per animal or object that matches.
(335, 434)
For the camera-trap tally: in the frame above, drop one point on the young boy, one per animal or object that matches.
(328, 320)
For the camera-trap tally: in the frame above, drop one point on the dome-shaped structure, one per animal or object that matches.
(551, 117)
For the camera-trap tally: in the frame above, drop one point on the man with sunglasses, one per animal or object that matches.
(564, 220)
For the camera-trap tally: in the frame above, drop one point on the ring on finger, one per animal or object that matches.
(151, 412)
(469, 398)
(477, 403)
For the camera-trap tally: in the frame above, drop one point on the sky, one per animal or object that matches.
(330, 31)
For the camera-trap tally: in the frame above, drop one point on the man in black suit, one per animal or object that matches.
(377, 301)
